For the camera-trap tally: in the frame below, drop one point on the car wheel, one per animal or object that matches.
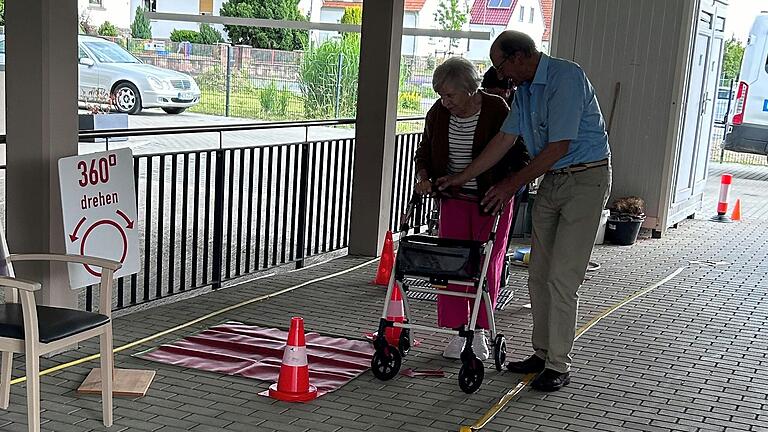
(173, 110)
(127, 98)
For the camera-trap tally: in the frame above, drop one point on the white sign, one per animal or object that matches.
(98, 202)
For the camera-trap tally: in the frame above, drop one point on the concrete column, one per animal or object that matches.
(382, 33)
(41, 91)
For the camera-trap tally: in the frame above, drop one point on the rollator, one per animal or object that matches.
(440, 261)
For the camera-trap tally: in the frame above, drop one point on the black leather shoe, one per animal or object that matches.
(551, 380)
(530, 365)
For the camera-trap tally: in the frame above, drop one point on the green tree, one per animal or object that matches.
(2, 12)
(107, 29)
(141, 27)
(270, 38)
(352, 15)
(209, 35)
(452, 15)
(734, 52)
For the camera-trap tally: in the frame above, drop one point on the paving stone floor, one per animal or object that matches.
(686, 356)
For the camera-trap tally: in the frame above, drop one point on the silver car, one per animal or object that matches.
(109, 71)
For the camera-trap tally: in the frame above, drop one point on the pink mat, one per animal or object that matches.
(234, 348)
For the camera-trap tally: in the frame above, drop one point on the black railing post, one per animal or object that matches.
(218, 220)
(301, 250)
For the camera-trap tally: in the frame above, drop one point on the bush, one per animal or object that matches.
(107, 29)
(141, 27)
(185, 36)
(209, 35)
(410, 101)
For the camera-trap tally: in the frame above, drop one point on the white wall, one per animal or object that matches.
(478, 49)
(536, 29)
(115, 11)
(163, 29)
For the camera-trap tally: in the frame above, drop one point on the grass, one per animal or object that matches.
(248, 104)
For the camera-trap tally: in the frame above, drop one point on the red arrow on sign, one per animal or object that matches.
(73, 236)
(422, 373)
(127, 220)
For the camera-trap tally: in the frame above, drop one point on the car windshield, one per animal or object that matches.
(108, 52)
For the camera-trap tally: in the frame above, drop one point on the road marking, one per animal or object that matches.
(502, 403)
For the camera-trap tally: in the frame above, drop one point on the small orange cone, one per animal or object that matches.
(736, 215)
(293, 384)
(386, 263)
(396, 313)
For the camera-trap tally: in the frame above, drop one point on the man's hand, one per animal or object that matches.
(423, 187)
(452, 181)
(499, 195)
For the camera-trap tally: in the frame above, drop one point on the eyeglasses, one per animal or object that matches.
(498, 68)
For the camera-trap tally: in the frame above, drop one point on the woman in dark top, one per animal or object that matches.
(457, 129)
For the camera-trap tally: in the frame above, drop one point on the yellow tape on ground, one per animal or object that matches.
(197, 320)
(495, 409)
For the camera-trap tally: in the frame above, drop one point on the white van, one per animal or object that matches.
(747, 129)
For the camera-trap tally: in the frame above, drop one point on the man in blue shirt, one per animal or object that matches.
(556, 112)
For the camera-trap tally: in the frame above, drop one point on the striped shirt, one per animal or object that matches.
(461, 133)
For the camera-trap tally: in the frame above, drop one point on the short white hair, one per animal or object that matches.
(459, 72)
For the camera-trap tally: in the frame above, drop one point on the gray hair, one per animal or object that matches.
(510, 42)
(458, 72)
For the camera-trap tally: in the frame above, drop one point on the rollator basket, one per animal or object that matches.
(439, 258)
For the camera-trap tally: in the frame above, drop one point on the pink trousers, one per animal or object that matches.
(462, 219)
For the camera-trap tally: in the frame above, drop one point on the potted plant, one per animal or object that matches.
(627, 216)
(101, 114)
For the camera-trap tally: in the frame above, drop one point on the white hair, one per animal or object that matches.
(459, 72)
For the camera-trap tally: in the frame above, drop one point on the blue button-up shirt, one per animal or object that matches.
(559, 104)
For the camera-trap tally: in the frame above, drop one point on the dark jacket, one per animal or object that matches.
(432, 153)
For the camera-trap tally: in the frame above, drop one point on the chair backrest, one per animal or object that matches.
(11, 295)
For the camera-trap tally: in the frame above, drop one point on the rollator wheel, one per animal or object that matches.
(404, 344)
(385, 363)
(471, 376)
(499, 351)
(505, 271)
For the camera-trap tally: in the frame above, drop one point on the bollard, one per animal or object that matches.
(722, 202)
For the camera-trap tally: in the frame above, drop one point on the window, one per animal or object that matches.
(766, 64)
(504, 4)
(95, 3)
(206, 7)
(150, 5)
(522, 14)
(81, 53)
(530, 19)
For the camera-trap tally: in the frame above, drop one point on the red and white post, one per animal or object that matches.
(722, 202)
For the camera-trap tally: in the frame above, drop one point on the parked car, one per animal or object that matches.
(106, 67)
(747, 129)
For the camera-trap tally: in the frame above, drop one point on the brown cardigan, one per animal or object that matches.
(432, 154)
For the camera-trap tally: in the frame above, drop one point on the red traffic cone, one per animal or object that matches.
(736, 215)
(293, 384)
(396, 313)
(386, 263)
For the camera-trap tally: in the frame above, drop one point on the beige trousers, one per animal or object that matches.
(565, 217)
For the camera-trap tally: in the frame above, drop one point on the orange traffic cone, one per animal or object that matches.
(386, 263)
(396, 313)
(736, 215)
(293, 384)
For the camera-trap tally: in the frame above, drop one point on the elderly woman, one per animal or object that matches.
(457, 129)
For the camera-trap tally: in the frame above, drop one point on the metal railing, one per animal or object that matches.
(208, 216)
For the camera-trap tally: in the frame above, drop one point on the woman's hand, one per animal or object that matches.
(451, 181)
(423, 187)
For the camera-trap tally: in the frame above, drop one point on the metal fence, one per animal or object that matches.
(241, 81)
(215, 215)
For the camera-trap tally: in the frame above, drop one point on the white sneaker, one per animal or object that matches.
(479, 345)
(454, 347)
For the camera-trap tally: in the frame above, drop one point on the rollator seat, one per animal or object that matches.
(440, 258)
